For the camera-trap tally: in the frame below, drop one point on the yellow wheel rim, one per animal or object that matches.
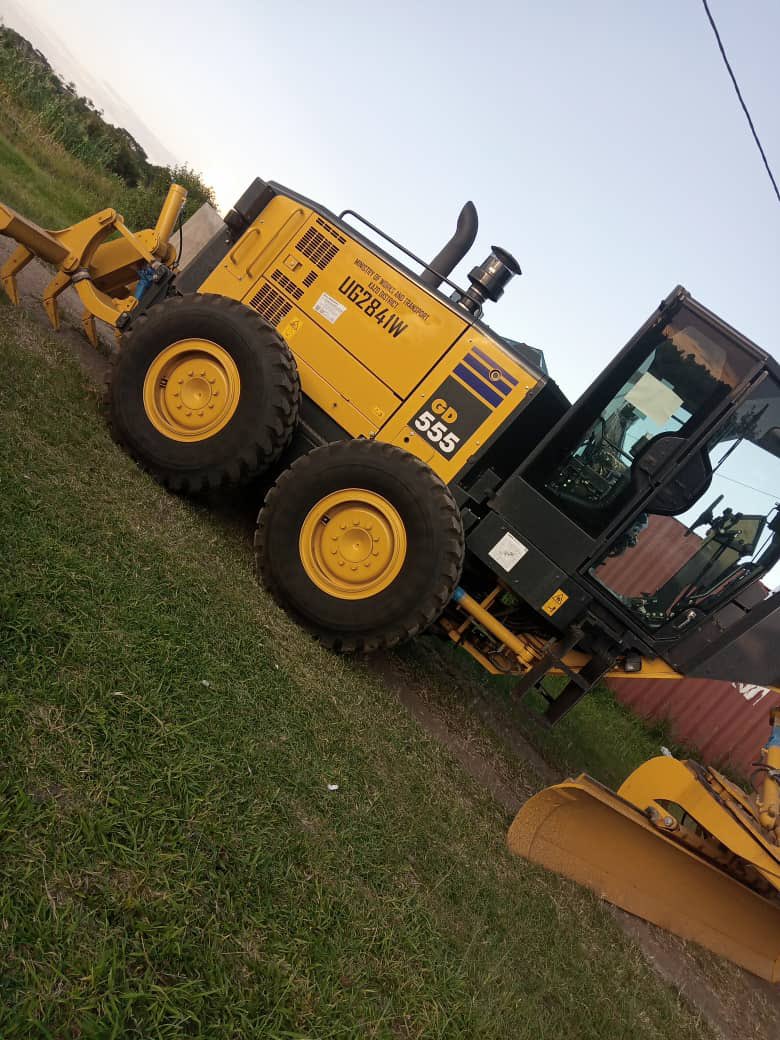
(191, 390)
(352, 544)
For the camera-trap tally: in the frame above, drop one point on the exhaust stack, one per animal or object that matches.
(445, 261)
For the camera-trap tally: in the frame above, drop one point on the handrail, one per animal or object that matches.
(408, 252)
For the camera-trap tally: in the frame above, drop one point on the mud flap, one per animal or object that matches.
(587, 833)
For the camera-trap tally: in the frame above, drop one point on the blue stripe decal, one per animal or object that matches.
(471, 361)
(489, 360)
(476, 384)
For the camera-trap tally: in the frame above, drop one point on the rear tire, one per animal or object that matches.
(392, 561)
(238, 381)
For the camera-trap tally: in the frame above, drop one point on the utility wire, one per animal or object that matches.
(741, 99)
(758, 491)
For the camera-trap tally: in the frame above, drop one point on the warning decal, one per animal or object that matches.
(507, 551)
(330, 309)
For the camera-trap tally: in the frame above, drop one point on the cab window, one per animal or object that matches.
(672, 570)
(683, 372)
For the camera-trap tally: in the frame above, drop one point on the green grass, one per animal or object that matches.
(173, 863)
(44, 182)
(599, 736)
(40, 180)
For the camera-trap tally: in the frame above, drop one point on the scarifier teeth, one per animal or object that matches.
(88, 323)
(15, 263)
(11, 290)
(52, 311)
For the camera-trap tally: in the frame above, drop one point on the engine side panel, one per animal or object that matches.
(379, 353)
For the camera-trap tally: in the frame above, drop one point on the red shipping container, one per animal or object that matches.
(727, 722)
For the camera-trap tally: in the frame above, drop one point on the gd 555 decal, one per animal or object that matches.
(449, 417)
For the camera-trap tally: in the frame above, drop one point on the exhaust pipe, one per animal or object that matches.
(451, 255)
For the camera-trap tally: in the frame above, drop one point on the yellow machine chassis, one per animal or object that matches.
(377, 396)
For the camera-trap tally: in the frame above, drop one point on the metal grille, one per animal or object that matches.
(331, 230)
(287, 284)
(271, 304)
(310, 279)
(318, 249)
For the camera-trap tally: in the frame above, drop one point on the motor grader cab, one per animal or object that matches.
(685, 424)
(428, 470)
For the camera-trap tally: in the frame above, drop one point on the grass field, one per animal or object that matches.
(39, 179)
(173, 861)
(44, 182)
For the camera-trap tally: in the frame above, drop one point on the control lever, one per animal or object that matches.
(707, 517)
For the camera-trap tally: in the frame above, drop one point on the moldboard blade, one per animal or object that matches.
(587, 833)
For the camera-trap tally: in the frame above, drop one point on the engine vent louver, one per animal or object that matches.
(271, 304)
(318, 249)
(310, 279)
(287, 284)
(331, 230)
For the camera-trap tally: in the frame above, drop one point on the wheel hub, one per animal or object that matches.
(191, 390)
(353, 544)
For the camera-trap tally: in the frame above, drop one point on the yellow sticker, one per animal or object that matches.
(555, 602)
(292, 328)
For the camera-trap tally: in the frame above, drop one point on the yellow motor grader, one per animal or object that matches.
(429, 472)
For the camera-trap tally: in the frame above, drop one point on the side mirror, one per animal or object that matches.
(771, 441)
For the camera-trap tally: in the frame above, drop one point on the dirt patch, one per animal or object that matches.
(476, 763)
(32, 282)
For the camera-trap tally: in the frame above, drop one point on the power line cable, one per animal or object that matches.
(741, 99)
(750, 487)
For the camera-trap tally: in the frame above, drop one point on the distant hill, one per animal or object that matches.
(29, 85)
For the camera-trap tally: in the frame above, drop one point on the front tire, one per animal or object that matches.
(204, 393)
(361, 543)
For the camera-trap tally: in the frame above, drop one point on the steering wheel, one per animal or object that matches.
(707, 517)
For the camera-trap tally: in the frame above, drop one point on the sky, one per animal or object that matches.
(601, 141)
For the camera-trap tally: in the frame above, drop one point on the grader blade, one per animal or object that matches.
(587, 833)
